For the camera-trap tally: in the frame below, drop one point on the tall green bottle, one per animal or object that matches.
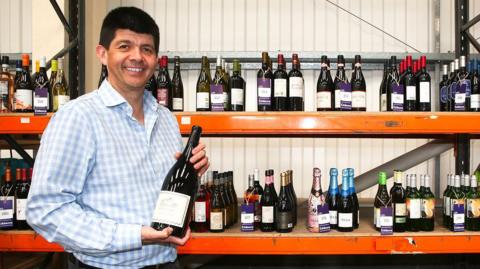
(413, 206)
(427, 206)
(472, 221)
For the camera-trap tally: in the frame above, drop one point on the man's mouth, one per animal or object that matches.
(134, 69)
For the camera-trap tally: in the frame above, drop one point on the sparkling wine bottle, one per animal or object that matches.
(175, 202)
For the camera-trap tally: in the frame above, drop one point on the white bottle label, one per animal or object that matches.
(458, 218)
(460, 98)
(345, 220)
(3, 87)
(62, 100)
(217, 98)
(237, 97)
(177, 103)
(296, 87)
(425, 92)
(414, 210)
(359, 99)
(338, 98)
(21, 207)
(203, 100)
(400, 209)
(216, 220)
(376, 217)
(383, 102)
(247, 218)
(475, 101)
(267, 214)
(280, 87)
(447, 206)
(386, 221)
(324, 99)
(397, 99)
(171, 208)
(411, 93)
(200, 212)
(333, 217)
(23, 99)
(264, 92)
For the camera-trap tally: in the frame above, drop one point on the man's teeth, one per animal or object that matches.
(132, 69)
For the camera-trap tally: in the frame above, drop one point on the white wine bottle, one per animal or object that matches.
(175, 201)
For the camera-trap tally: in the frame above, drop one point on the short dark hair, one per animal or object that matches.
(130, 18)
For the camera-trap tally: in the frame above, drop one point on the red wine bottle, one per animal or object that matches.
(359, 87)
(267, 203)
(296, 85)
(264, 85)
(201, 210)
(177, 87)
(325, 88)
(423, 86)
(410, 97)
(163, 93)
(280, 86)
(21, 193)
(175, 202)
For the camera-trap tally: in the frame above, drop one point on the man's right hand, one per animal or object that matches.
(152, 236)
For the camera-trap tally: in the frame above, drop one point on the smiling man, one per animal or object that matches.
(103, 158)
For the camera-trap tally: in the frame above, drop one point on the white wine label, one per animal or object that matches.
(414, 209)
(280, 87)
(4, 87)
(171, 208)
(177, 103)
(267, 214)
(411, 93)
(376, 217)
(264, 92)
(333, 217)
(475, 101)
(460, 98)
(203, 100)
(60, 100)
(23, 99)
(447, 206)
(458, 218)
(383, 102)
(338, 98)
(425, 92)
(345, 220)
(386, 221)
(296, 87)
(237, 97)
(324, 99)
(217, 98)
(21, 209)
(216, 220)
(200, 212)
(359, 99)
(400, 209)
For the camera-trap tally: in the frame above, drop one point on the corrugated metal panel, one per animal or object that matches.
(302, 25)
(16, 26)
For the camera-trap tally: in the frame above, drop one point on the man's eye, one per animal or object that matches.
(124, 46)
(148, 50)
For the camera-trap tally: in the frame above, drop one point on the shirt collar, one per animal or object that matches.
(109, 95)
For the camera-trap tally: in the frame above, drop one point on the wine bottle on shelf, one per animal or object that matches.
(23, 88)
(424, 86)
(177, 86)
(163, 94)
(443, 94)
(218, 87)
(395, 90)
(41, 88)
(397, 194)
(353, 194)
(475, 79)
(268, 203)
(293, 195)
(280, 86)
(472, 220)
(325, 88)
(454, 84)
(36, 70)
(343, 90)
(382, 200)
(233, 196)
(315, 199)
(203, 86)
(18, 70)
(258, 188)
(383, 87)
(103, 75)
(333, 198)
(60, 90)
(466, 184)
(413, 207)
(176, 198)
(7, 90)
(227, 204)
(201, 210)
(446, 202)
(427, 206)
(21, 195)
(238, 88)
(53, 76)
(463, 89)
(457, 206)
(284, 209)
(264, 85)
(216, 208)
(252, 197)
(227, 90)
(7, 201)
(151, 85)
(410, 97)
(359, 87)
(345, 208)
(296, 86)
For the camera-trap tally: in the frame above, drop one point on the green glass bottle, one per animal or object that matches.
(382, 199)
(427, 205)
(457, 197)
(414, 219)
(397, 192)
(203, 86)
(446, 201)
(472, 221)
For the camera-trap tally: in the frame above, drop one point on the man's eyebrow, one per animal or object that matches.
(123, 41)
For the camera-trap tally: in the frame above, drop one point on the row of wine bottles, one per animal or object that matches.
(461, 203)
(33, 93)
(13, 199)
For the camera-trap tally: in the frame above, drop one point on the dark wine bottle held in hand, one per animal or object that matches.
(175, 201)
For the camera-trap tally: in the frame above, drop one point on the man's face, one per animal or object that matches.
(130, 60)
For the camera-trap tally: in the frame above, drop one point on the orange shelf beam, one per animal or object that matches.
(27, 123)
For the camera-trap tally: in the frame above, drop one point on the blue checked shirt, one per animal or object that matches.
(97, 176)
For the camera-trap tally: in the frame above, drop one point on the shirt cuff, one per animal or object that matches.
(128, 237)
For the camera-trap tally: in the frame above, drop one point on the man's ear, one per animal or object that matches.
(102, 54)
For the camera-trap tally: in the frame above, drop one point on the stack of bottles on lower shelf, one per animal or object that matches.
(13, 199)
(461, 200)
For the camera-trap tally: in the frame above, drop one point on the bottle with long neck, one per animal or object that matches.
(457, 199)
(343, 98)
(359, 87)
(234, 196)
(284, 209)
(268, 203)
(53, 76)
(345, 208)
(353, 194)
(103, 75)
(37, 69)
(176, 198)
(23, 88)
(413, 207)
(466, 184)
(238, 88)
(227, 90)
(41, 90)
(280, 86)
(475, 79)
(7, 90)
(21, 194)
(201, 208)
(259, 192)
(7, 201)
(333, 197)
(296, 86)
(397, 194)
(383, 87)
(218, 87)
(163, 94)
(60, 91)
(446, 202)
(264, 85)
(216, 209)
(203, 86)
(293, 194)
(428, 206)
(472, 216)
(382, 199)
(410, 97)
(325, 89)
(177, 86)
(462, 95)
(258, 188)
(454, 66)
(252, 197)
(315, 199)
(227, 203)
(395, 91)
(424, 86)
(443, 94)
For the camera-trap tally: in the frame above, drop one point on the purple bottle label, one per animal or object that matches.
(458, 217)
(346, 96)
(323, 214)
(6, 212)
(444, 95)
(452, 91)
(386, 220)
(247, 218)
(216, 93)
(40, 101)
(398, 90)
(264, 88)
(460, 95)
